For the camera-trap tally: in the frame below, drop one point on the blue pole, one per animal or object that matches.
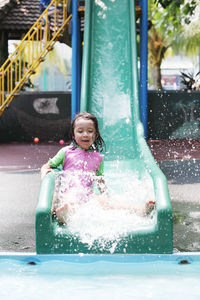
(78, 66)
(143, 64)
(75, 99)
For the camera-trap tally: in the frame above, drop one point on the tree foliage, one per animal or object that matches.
(188, 7)
(169, 19)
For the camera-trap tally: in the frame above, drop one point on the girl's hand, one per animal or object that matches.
(102, 185)
(45, 170)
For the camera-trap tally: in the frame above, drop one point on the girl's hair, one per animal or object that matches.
(99, 142)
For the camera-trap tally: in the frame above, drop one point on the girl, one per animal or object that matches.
(83, 164)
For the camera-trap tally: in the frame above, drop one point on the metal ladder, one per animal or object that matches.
(32, 50)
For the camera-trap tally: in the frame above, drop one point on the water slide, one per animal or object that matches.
(110, 91)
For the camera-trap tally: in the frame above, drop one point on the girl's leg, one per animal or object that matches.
(64, 213)
(116, 203)
(54, 202)
(65, 208)
(149, 207)
(143, 210)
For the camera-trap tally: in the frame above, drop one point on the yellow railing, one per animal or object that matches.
(32, 50)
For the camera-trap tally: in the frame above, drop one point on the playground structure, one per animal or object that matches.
(29, 275)
(109, 40)
(40, 39)
(32, 50)
(113, 96)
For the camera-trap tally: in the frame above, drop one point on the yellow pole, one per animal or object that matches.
(29, 54)
(19, 71)
(8, 90)
(37, 40)
(0, 89)
(11, 77)
(2, 86)
(15, 70)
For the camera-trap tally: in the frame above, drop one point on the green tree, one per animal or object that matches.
(169, 22)
(189, 39)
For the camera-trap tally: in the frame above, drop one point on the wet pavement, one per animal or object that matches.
(20, 183)
(180, 162)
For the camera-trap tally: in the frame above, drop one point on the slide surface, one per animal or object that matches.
(110, 92)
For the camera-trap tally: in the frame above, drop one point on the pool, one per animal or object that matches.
(81, 276)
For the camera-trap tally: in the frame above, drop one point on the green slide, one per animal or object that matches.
(110, 91)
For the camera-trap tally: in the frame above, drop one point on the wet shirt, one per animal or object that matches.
(79, 170)
(78, 160)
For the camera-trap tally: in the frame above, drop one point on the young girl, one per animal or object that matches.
(83, 164)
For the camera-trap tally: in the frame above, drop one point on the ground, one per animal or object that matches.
(20, 183)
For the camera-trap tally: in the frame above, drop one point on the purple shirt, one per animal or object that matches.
(80, 165)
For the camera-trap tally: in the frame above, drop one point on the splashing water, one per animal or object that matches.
(104, 227)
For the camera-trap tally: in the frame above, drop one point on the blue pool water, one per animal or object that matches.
(100, 276)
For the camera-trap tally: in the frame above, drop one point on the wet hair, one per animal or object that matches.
(99, 142)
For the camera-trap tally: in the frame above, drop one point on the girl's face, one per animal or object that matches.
(84, 132)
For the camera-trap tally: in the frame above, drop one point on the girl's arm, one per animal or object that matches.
(54, 162)
(101, 184)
